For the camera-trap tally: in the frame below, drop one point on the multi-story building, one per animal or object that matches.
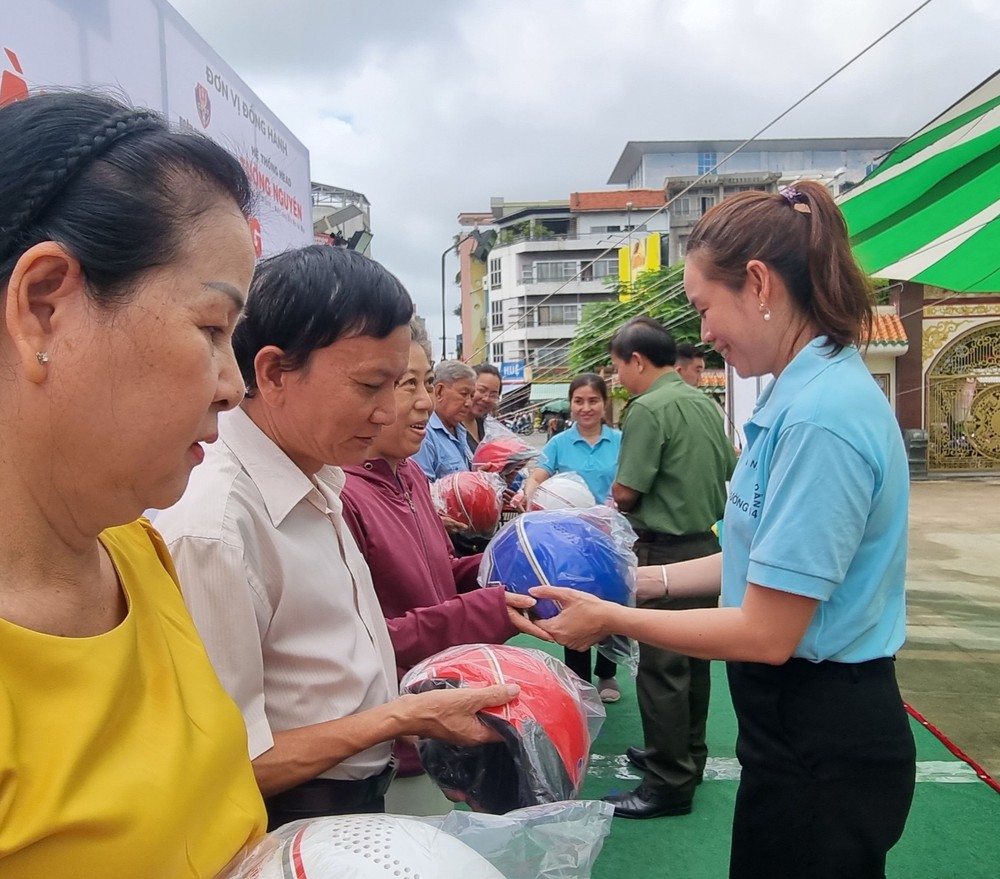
(341, 217)
(694, 181)
(550, 259)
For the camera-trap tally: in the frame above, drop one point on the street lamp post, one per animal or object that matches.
(444, 316)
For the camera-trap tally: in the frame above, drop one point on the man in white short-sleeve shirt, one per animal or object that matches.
(277, 587)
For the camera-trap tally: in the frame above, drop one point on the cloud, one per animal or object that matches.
(430, 107)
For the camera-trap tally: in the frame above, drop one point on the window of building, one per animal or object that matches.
(557, 315)
(706, 162)
(707, 202)
(495, 275)
(606, 268)
(496, 314)
(551, 355)
(681, 206)
(561, 270)
(497, 348)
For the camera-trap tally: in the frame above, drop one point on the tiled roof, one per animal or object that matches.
(887, 330)
(616, 200)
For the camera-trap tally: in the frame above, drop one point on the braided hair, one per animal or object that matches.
(115, 185)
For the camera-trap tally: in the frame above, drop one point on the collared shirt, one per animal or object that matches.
(570, 452)
(279, 591)
(818, 505)
(443, 452)
(675, 453)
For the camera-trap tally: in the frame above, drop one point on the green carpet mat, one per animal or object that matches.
(953, 831)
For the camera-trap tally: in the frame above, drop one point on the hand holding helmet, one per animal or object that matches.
(546, 729)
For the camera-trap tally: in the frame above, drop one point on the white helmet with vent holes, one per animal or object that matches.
(363, 847)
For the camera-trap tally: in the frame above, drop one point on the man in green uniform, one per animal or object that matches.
(671, 482)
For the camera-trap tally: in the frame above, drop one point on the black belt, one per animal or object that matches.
(332, 796)
(645, 536)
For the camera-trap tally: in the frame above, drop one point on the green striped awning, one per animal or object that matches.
(929, 213)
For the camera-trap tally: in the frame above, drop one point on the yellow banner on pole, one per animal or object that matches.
(640, 256)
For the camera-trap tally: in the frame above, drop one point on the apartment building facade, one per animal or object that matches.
(694, 180)
(548, 261)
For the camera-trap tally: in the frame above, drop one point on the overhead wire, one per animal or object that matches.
(626, 236)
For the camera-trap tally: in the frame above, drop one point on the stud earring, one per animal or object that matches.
(42, 356)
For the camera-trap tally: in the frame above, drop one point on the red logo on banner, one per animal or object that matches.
(12, 84)
(257, 236)
(204, 104)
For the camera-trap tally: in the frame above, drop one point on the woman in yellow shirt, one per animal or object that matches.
(125, 257)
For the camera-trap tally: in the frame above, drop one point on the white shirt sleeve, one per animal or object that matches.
(228, 609)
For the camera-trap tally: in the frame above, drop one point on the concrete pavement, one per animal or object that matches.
(949, 669)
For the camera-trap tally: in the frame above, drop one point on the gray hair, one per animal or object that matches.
(450, 371)
(418, 334)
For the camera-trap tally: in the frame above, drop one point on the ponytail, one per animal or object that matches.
(801, 234)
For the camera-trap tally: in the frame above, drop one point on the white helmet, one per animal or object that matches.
(363, 847)
(563, 491)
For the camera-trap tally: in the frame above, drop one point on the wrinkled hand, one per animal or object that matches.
(453, 526)
(450, 715)
(583, 619)
(517, 603)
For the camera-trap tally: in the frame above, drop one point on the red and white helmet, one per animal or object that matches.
(563, 491)
(474, 499)
(504, 455)
(362, 847)
(546, 737)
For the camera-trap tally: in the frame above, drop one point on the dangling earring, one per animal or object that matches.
(765, 311)
(42, 356)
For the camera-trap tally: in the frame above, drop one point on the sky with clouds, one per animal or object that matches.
(430, 107)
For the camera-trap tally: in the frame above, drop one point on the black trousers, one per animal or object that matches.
(673, 689)
(326, 796)
(578, 662)
(828, 764)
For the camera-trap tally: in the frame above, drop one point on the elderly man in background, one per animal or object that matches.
(484, 401)
(445, 448)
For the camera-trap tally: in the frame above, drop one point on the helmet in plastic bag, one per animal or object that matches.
(557, 548)
(546, 740)
(474, 499)
(504, 455)
(561, 492)
(362, 847)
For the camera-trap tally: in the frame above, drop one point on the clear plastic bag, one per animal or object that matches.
(563, 491)
(551, 841)
(587, 549)
(472, 498)
(547, 728)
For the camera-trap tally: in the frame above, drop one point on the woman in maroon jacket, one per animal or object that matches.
(430, 599)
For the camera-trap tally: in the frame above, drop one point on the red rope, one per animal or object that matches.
(951, 746)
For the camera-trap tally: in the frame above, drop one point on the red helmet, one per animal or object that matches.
(505, 455)
(543, 757)
(474, 499)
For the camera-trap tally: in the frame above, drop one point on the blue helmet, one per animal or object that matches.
(557, 548)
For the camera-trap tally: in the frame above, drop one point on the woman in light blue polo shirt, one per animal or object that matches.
(813, 555)
(589, 448)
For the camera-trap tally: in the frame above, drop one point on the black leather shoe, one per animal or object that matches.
(644, 803)
(637, 757)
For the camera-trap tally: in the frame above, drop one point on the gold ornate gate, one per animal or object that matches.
(963, 404)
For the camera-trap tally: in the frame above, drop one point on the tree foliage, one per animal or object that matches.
(658, 294)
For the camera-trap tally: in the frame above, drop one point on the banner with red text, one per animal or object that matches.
(145, 51)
